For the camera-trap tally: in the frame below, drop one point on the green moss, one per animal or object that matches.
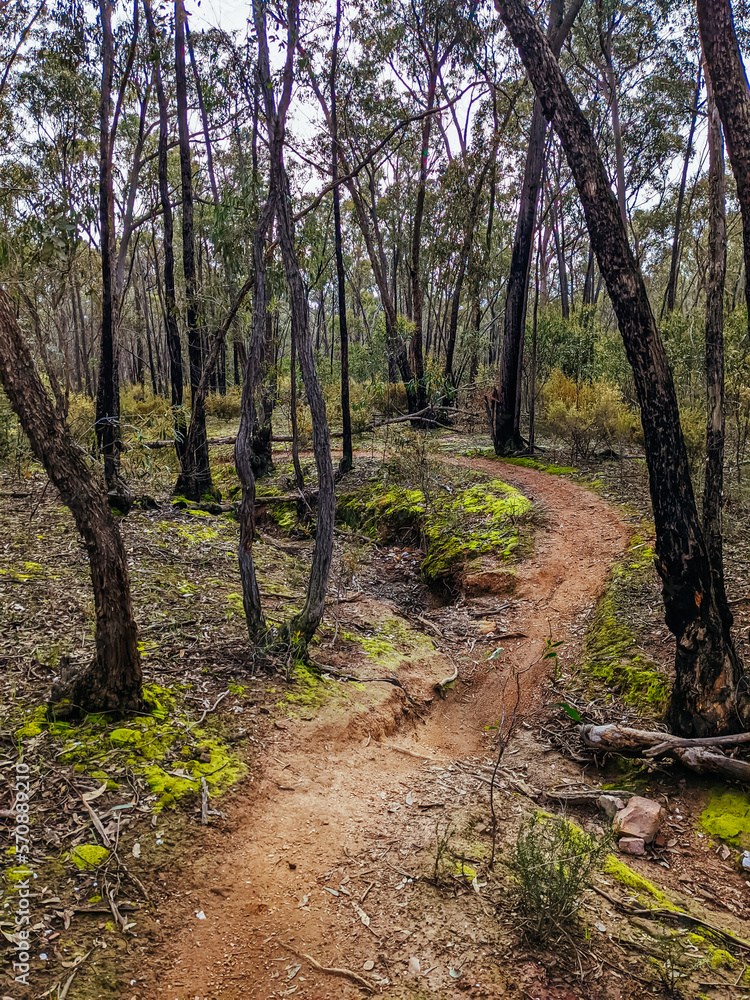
(611, 654)
(13, 875)
(35, 724)
(454, 527)
(88, 856)
(720, 959)
(310, 690)
(625, 875)
(727, 815)
(532, 463)
(392, 642)
(125, 737)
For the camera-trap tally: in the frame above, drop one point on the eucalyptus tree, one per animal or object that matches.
(278, 207)
(504, 403)
(707, 696)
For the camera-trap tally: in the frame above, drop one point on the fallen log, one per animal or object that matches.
(615, 737)
(280, 439)
(701, 754)
(700, 759)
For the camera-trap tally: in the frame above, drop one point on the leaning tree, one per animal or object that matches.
(708, 695)
(112, 681)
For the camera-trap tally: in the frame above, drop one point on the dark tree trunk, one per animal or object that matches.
(112, 682)
(303, 626)
(717, 268)
(204, 117)
(674, 265)
(724, 66)
(299, 479)
(505, 426)
(107, 397)
(465, 255)
(705, 698)
(416, 357)
(172, 333)
(76, 334)
(195, 478)
(347, 460)
(244, 452)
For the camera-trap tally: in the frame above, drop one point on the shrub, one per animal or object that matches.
(552, 864)
(225, 407)
(587, 417)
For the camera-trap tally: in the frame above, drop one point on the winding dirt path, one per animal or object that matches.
(286, 874)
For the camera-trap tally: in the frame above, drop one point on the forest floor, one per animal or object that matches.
(352, 847)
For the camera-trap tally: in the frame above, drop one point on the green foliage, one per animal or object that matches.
(587, 417)
(225, 407)
(552, 864)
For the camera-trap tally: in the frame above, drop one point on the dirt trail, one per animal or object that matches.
(319, 805)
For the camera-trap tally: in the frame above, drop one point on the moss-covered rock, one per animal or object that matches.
(453, 527)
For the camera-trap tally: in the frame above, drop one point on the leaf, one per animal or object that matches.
(409, 798)
(497, 654)
(361, 914)
(572, 712)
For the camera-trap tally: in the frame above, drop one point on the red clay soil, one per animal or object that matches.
(291, 879)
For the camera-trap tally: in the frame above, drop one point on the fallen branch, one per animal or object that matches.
(409, 753)
(678, 915)
(332, 970)
(616, 737)
(343, 676)
(693, 753)
(230, 439)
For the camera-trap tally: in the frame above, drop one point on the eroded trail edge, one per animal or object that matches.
(301, 871)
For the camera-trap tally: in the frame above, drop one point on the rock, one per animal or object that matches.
(609, 805)
(641, 818)
(632, 845)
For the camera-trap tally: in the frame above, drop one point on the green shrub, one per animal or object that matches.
(587, 417)
(553, 862)
(225, 407)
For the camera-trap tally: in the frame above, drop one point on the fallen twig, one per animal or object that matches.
(409, 753)
(211, 709)
(332, 970)
(204, 802)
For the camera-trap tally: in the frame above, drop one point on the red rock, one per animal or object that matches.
(632, 845)
(641, 818)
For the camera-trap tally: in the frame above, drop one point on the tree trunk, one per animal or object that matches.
(194, 481)
(717, 267)
(347, 460)
(107, 397)
(172, 333)
(303, 626)
(724, 66)
(112, 682)
(243, 447)
(705, 698)
(417, 292)
(505, 429)
(299, 479)
(674, 265)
